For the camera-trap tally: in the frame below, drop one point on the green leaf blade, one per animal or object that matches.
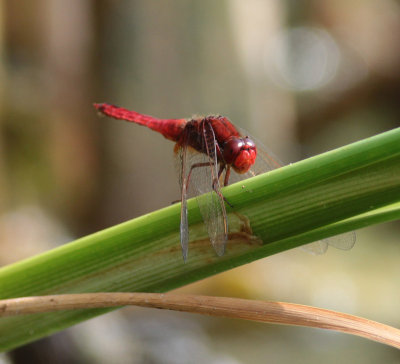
(338, 191)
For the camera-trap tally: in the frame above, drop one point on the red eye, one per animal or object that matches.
(231, 149)
(240, 153)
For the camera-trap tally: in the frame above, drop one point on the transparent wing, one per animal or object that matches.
(316, 248)
(198, 177)
(267, 161)
(206, 186)
(344, 241)
(181, 166)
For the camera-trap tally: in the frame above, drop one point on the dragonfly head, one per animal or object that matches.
(240, 153)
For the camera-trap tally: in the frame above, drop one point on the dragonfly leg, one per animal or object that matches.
(196, 165)
(227, 173)
(188, 178)
(205, 164)
(219, 193)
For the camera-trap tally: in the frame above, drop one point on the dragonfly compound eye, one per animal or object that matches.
(241, 153)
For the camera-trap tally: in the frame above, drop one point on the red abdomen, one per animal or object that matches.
(171, 128)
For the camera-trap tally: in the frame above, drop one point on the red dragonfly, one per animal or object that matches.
(209, 150)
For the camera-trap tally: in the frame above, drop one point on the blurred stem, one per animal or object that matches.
(261, 311)
(338, 191)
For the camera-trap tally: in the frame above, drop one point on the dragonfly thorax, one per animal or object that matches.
(240, 153)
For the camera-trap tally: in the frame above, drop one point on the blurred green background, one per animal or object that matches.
(303, 76)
